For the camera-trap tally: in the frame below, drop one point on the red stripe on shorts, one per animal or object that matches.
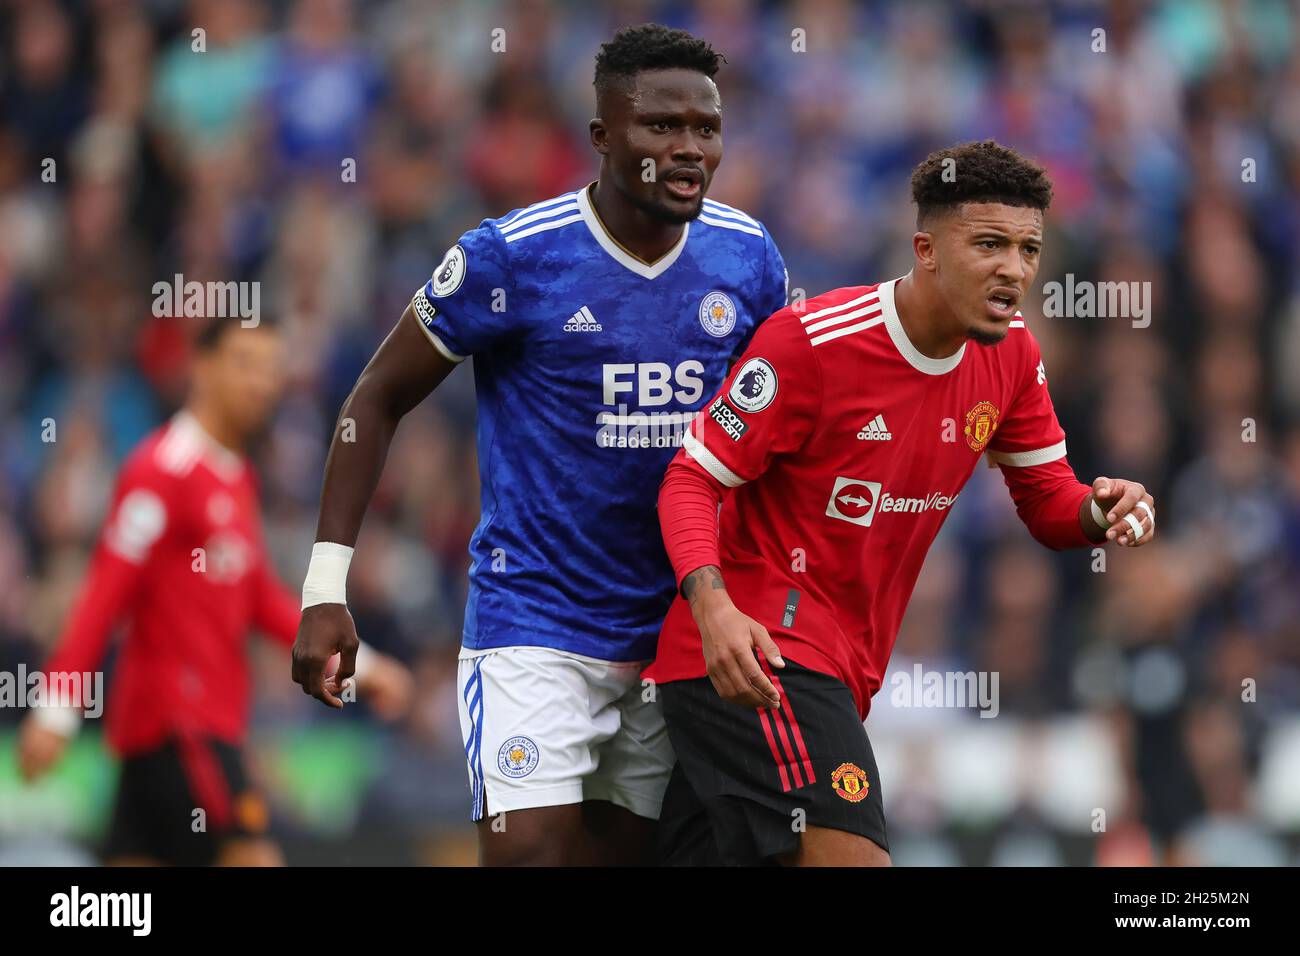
(765, 720)
(788, 710)
(206, 779)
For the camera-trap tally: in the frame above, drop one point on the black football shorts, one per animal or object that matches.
(748, 781)
(178, 803)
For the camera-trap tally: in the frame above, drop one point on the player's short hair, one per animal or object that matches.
(212, 331)
(651, 46)
(979, 172)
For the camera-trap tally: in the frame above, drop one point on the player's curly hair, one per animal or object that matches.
(652, 46)
(979, 172)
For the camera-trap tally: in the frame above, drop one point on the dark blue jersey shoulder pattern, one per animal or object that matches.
(588, 365)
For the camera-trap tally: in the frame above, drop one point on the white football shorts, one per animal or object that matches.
(543, 727)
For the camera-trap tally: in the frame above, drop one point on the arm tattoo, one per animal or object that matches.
(708, 576)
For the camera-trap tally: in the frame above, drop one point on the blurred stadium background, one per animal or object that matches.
(1121, 691)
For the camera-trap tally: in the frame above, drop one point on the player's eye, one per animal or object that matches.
(707, 129)
(1031, 250)
(661, 126)
(989, 243)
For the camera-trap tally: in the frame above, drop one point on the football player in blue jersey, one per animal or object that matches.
(599, 321)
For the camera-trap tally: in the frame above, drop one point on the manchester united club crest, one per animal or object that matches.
(850, 782)
(981, 422)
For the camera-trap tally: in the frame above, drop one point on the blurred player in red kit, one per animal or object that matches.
(181, 562)
(837, 448)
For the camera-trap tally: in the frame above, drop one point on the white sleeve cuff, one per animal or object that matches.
(709, 462)
(65, 721)
(1028, 459)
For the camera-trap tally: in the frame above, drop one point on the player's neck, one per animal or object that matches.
(217, 429)
(639, 233)
(922, 316)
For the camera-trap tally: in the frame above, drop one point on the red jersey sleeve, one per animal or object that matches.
(767, 407)
(688, 516)
(1029, 445)
(275, 608)
(140, 514)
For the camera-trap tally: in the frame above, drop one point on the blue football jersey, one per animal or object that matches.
(588, 366)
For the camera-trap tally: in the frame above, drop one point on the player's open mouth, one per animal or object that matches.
(1003, 303)
(685, 183)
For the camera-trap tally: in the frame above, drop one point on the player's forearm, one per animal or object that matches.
(688, 518)
(1050, 501)
(701, 587)
(98, 609)
(355, 462)
(1055, 520)
(70, 671)
(402, 372)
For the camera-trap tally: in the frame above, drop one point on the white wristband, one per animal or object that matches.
(1099, 516)
(327, 575)
(64, 721)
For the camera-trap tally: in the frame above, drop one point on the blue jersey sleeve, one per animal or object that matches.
(464, 307)
(776, 281)
(773, 292)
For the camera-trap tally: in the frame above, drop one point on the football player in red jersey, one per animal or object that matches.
(181, 562)
(837, 448)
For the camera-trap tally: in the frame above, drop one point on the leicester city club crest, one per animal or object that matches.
(517, 757)
(717, 314)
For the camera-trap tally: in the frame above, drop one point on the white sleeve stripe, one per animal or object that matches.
(447, 353)
(846, 330)
(543, 227)
(1027, 459)
(516, 224)
(869, 310)
(841, 307)
(710, 463)
(538, 205)
(729, 224)
(729, 212)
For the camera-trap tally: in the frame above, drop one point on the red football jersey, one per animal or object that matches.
(182, 564)
(844, 449)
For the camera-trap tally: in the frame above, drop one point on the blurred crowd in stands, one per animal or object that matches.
(1149, 706)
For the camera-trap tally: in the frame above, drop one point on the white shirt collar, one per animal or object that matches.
(226, 462)
(646, 270)
(918, 361)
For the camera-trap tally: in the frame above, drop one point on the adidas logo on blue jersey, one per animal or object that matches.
(582, 321)
(875, 430)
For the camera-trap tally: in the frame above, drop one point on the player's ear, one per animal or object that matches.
(599, 136)
(923, 247)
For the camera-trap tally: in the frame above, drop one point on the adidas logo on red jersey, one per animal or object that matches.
(876, 430)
